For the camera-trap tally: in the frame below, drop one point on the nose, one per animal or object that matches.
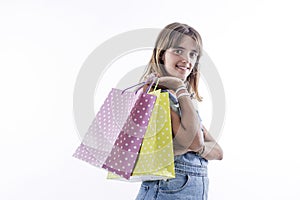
(186, 59)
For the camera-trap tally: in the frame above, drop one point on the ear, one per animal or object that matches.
(163, 58)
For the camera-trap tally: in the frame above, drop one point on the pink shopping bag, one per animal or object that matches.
(114, 138)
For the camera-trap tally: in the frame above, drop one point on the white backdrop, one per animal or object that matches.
(43, 44)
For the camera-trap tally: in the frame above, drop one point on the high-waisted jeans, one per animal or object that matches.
(191, 182)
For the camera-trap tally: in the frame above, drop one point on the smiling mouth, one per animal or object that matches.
(182, 67)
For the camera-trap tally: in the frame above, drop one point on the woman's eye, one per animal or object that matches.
(177, 51)
(193, 55)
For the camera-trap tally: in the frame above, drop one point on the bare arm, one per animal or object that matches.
(212, 151)
(186, 128)
(193, 142)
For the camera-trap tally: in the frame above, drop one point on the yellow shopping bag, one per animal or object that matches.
(156, 157)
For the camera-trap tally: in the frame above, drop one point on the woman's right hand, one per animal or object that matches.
(165, 82)
(170, 82)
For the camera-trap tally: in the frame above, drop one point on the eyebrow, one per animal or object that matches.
(179, 47)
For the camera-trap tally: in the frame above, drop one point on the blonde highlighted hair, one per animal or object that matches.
(169, 37)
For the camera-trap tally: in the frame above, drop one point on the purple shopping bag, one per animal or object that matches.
(115, 135)
(124, 154)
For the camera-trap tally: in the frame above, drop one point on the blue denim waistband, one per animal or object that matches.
(192, 164)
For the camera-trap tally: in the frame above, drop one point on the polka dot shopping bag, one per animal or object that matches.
(156, 157)
(114, 138)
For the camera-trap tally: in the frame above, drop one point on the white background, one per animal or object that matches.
(43, 44)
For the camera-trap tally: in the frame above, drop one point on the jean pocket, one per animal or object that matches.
(174, 185)
(142, 192)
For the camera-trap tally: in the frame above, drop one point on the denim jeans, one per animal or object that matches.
(191, 182)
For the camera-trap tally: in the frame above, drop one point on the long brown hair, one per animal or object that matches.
(170, 37)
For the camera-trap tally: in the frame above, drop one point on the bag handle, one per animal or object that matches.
(148, 89)
(142, 83)
(133, 86)
(156, 84)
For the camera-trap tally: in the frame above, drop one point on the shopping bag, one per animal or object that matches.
(156, 157)
(124, 115)
(124, 153)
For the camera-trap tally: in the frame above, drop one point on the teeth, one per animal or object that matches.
(184, 68)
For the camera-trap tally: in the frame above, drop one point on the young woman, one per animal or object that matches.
(175, 58)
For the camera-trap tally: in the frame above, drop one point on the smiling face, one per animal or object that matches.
(180, 60)
(174, 55)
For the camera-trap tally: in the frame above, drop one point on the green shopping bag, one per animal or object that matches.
(156, 157)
